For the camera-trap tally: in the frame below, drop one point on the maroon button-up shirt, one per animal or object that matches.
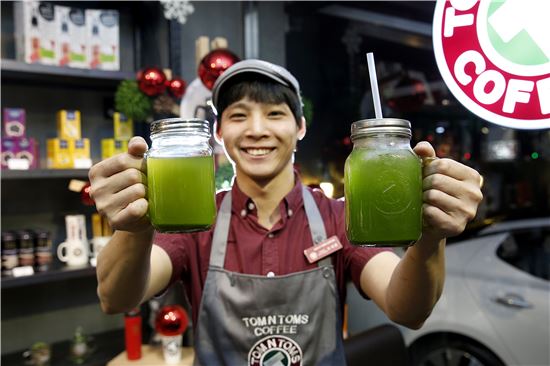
(252, 249)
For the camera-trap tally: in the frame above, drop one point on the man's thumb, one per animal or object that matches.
(137, 146)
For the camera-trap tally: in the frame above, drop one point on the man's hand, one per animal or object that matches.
(451, 194)
(119, 188)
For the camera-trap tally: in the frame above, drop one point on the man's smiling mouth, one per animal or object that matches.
(258, 151)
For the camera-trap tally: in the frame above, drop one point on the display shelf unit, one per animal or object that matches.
(55, 274)
(44, 174)
(40, 198)
(36, 73)
(107, 345)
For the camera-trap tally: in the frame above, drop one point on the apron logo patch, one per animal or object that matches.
(275, 324)
(275, 351)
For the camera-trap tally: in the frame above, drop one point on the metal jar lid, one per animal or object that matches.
(370, 127)
(180, 125)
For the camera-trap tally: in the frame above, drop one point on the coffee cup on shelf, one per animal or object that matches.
(98, 243)
(73, 252)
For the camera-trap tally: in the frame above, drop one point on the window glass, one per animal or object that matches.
(529, 251)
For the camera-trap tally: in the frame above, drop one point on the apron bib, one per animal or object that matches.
(289, 320)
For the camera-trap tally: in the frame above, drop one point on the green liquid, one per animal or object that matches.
(181, 193)
(383, 192)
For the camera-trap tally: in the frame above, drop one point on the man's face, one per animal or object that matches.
(259, 138)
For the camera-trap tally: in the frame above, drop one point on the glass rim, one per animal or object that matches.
(196, 125)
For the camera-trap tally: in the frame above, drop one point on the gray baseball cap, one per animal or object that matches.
(274, 72)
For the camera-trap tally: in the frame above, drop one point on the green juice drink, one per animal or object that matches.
(383, 191)
(181, 193)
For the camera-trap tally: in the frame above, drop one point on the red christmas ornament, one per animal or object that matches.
(151, 81)
(85, 195)
(213, 64)
(171, 320)
(176, 87)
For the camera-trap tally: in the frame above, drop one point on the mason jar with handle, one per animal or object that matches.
(383, 185)
(180, 176)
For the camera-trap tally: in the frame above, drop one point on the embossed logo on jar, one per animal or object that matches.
(393, 194)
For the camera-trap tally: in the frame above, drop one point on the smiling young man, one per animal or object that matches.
(254, 295)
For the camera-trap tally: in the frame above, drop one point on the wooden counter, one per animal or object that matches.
(152, 356)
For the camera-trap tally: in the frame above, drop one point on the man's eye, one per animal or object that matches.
(276, 113)
(237, 116)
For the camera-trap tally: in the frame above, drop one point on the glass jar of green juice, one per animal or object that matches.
(383, 185)
(180, 176)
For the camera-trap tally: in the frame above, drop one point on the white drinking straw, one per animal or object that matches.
(374, 86)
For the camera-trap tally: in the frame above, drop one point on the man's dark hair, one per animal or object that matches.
(260, 89)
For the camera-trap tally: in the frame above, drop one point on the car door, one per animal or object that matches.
(509, 280)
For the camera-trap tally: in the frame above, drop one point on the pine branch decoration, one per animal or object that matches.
(132, 102)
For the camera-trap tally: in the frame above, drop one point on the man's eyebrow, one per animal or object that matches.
(238, 105)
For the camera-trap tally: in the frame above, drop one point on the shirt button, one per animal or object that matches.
(250, 206)
(270, 274)
(243, 212)
(270, 235)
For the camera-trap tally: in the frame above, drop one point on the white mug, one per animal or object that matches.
(73, 252)
(98, 243)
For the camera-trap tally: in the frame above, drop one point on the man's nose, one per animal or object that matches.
(256, 125)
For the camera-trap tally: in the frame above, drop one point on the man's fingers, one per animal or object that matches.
(116, 164)
(452, 169)
(133, 215)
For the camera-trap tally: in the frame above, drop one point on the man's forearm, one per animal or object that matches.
(417, 283)
(123, 270)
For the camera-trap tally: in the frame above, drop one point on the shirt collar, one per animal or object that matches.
(241, 203)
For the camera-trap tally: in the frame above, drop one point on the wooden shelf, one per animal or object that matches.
(107, 345)
(36, 73)
(44, 173)
(59, 274)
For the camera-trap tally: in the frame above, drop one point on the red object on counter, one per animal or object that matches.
(132, 334)
(171, 320)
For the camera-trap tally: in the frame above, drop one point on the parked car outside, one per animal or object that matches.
(495, 306)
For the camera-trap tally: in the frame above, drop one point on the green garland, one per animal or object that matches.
(132, 102)
(308, 110)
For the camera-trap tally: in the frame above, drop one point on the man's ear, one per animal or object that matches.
(302, 128)
(217, 133)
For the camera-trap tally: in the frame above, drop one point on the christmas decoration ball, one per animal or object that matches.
(213, 64)
(152, 81)
(171, 320)
(176, 87)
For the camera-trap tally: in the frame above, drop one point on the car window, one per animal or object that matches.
(528, 250)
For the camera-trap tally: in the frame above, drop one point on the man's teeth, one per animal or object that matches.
(257, 152)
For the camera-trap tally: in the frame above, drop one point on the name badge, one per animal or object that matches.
(323, 249)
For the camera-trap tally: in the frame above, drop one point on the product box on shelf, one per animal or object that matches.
(80, 151)
(112, 147)
(9, 149)
(123, 126)
(14, 122)
(59, 155)
(103, 39)
(21, 148)
(72, 38)
(35, 32)
(68, 124)
(28, 149)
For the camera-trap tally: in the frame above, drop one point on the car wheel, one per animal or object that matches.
(444, 350)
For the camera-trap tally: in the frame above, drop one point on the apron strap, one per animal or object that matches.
(316, 225)
(221, 231)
